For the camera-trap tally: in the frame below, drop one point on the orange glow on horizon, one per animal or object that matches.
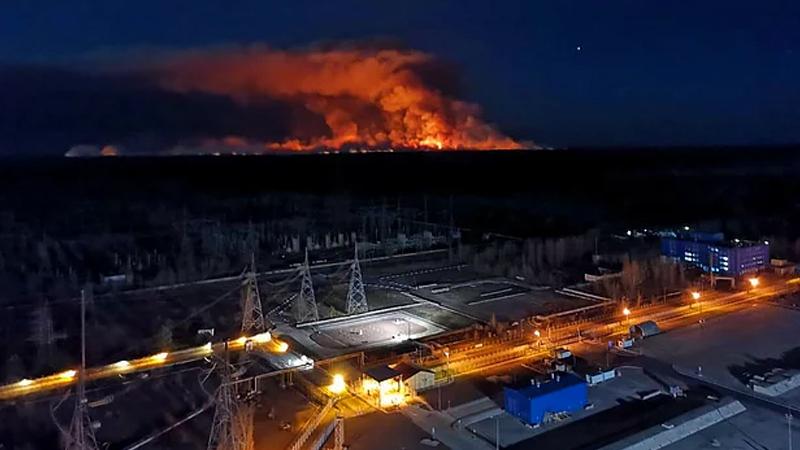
(366, 98)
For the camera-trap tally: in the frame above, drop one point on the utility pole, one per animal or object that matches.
(305, 306)
(81, 433)
(252, 316)
(789, 418)
(356, 296)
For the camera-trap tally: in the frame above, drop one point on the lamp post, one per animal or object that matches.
(696, 298)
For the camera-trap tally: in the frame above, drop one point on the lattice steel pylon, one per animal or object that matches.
(305, 305)
(252, 316)
(356, 297)
(81, 433)
(232, 428)
(43, 333)
(338, 436)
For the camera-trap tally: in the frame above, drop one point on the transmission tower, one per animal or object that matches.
(43, 334)
(252, 317)
(81, 433)
(338, 437)
(305, 306)
(232, 428)
(356, 297)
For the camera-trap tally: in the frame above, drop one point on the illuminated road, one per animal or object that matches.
(25, 387)
(494, 353)
(461, 360)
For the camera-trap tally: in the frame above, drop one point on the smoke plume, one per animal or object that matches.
(367, 98)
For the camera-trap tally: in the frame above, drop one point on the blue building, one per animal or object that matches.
(712, 253)
(534, 402)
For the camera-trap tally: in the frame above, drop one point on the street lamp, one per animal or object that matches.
(626, 312)
(338, 385)
(754, 282)
(537, 333)
(696, 298)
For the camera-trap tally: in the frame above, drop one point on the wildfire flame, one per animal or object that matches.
(368, 98)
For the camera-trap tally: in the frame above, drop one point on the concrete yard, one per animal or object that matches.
(380, 329)
(385, 431)
(625, 388)
(757, 428)
(726, 345)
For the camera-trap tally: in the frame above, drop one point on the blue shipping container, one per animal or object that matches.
(533, 403)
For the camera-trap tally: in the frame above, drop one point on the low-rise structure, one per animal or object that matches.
(713, 254)
(536, 403)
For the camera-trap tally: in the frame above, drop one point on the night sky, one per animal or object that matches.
(560, 73)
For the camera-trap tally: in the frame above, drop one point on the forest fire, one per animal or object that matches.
(366, 98)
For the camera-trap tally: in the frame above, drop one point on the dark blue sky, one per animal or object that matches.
(648, 72)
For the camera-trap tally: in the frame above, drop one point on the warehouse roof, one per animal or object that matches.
(381, 373)
(409, 370)
(561, 381)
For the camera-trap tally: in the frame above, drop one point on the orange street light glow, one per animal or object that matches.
(537, 333)
(25, 382)
(626, 312)
(754, 282)
(282, 347)
(262, 338)
(241, 340)
(68, 374)
(121, 365)
(338, 385)
(696, 295)
(160, 357)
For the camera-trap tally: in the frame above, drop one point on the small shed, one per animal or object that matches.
(536, 402)
(645, 329)
(385, 385)
(381, 373)
(416, 379)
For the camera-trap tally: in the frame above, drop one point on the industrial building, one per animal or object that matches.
(537, 402)
(390, 385)
(712, 253)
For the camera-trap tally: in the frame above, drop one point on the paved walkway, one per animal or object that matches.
(441, 423)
